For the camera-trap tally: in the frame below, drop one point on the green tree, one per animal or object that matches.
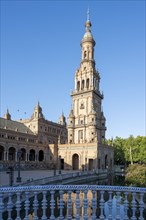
(135, 149)
(140, 153)
(129, 149)
(119, 155)
(136, 175)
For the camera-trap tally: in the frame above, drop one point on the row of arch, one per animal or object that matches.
(83, 84)
(87, 54)
(12, 154)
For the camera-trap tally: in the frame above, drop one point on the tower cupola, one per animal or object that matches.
(37, 111)
(7, 115)
(87, 42)
(62, 119)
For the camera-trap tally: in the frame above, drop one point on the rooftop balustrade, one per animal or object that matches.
(72, 202)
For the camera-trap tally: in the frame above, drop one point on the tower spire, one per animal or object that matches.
(88, 14)
(88, 23)
(7, 115)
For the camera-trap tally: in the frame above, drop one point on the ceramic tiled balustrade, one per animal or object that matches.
(72, 202)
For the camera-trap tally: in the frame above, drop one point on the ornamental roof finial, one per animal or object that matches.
(88, 14)
(88, 23)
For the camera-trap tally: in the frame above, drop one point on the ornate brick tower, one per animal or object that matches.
(86, 122)
(86, 148)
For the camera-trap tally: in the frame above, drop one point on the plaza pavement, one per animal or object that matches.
(27, 176)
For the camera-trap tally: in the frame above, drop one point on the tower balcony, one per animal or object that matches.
(86, 90)
(72, 202)
(80, 91)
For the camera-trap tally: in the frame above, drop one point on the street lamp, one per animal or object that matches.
(59, 164)
(54, 169)
(19, 153)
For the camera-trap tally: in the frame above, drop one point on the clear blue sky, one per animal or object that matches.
(40, 51)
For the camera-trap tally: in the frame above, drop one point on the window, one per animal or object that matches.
(87, 83)
(80, 134)
(78, 85)
(82, 105)
(82, 87)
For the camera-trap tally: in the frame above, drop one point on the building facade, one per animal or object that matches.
(33, 137)
(86, 148)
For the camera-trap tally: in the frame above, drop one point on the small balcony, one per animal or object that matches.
(72, 202)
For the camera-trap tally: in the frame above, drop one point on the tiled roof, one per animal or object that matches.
(14, 126)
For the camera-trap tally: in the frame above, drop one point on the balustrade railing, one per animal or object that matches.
(72, 202)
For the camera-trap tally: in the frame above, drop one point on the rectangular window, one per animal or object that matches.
(80, 134)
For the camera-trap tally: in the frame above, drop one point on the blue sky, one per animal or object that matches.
(40, 51)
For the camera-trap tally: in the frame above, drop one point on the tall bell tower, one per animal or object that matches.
(86, 121)
(86, 148)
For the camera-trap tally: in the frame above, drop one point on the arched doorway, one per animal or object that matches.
(90, 164)
(75, 162)
(32, 155)
(12, 152)
(41, 155)
(1, 153)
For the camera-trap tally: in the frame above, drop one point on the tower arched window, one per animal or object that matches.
(83, 83)
(85, 54)
(87, 83)
(78, 85)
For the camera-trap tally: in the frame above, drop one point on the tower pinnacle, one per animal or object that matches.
(7, 115)
(88, 23)
(88, 14)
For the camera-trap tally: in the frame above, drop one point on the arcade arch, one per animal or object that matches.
(1, 152)
(11, 153)
(75, 162)
(23, 154)
(41, 155)
(32, 155)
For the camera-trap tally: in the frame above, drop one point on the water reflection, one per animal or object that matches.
(115, 203)
(81, 210)
(114, 211)
(81, 198)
